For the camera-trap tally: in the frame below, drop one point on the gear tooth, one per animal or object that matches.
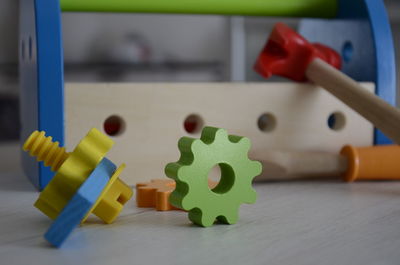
(253, 168)
(230, 218)
(196, 147)
(221, 135)
(244, 144)
(178, 197)
(176, 171)
(182, 174)
(250, 197)
(175, 199)
(185, 146)
(210, 134)
(256, 168)
(187, 204)
(198, 217)
(171, 170)
(235, 138)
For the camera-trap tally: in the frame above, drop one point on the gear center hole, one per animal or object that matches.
(223, 174)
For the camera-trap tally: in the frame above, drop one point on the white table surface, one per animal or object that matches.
(302, 223)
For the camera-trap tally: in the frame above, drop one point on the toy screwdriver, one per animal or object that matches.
(364, 163)
(290, 55)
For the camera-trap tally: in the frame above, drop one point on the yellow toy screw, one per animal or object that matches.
(72, 169)
(44, 149)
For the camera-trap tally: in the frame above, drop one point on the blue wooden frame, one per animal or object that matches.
(41, 67)
(364, 23)
(41, 73)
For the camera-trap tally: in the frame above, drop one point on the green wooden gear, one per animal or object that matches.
(198, 157)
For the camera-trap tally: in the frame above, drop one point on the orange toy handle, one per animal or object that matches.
(372, 163)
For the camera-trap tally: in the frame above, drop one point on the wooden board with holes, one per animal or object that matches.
(152, 117)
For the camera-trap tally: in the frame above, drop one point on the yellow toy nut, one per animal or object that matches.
(111, 201)
(72, 170)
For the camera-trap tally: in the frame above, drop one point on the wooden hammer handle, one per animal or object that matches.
(380, 113)
(295, 165)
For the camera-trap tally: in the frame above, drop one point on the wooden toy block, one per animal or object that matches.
(156, 193)
(153, 116)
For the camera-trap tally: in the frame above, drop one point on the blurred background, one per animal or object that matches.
(146, 48)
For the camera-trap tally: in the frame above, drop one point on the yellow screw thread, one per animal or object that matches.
(44, 149)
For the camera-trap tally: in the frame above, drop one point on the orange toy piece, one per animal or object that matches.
(372, 163)
(156, 194)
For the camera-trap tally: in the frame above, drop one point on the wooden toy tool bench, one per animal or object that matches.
(326, 222)
(153, 115)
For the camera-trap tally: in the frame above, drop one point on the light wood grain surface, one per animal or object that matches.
(379, 112)
(291, 223)
(153, 114)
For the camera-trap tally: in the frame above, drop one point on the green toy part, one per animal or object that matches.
(285, 8)
(198, 157)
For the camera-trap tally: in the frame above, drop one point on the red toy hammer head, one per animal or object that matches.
(288, 54)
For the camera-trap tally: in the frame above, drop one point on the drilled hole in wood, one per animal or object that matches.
(267, 122)
(336, 121)
(193, 124)
(347, 51)
(114, 125)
